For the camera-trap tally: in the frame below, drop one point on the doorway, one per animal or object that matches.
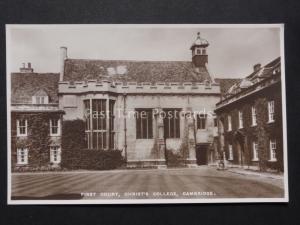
(201, 154)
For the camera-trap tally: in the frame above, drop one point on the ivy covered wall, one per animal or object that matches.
(261, 133)
(37, 141)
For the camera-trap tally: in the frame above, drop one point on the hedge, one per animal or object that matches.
(91, 159)
(76, 156)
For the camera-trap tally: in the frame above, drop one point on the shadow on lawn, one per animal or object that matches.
(50, 197)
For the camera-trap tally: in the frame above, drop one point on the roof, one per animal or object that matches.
(199, 42)
(266, 70)
(225, 83)
(26, 85)
(255, 77)
(40, 92)
(136, 71)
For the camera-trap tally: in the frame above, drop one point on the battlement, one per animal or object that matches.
(66, 87)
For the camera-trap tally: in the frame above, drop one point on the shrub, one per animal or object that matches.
(91, 159)
(174, 159)
(76, 156)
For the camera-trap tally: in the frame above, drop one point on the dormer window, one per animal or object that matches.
(40, 97)
(198, 51)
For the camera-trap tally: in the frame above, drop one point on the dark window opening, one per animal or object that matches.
(144, 122)
(201, 121)
(171, 123)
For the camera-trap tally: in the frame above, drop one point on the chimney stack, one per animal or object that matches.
(27, 69)
(63, 57)
(256, 67)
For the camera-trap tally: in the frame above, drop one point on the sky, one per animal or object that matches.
(232, 52)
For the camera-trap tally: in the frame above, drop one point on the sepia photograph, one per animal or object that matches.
(146, 114)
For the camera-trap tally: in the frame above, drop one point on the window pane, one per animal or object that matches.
(144, 124)
(138, 125)
(104, 143)
(87, 114)
(177, 125)
(22, 123)
(150, 135)
(94, 140)
(172, 123)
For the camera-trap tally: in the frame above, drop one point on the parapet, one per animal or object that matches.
(79, 87)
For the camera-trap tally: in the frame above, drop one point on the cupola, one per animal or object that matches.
(199, 51)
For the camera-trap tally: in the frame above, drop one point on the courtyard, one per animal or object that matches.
(202, 182)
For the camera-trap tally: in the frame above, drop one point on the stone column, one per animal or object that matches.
(191, 142)
(160, 141)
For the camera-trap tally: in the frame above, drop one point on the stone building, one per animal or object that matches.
(250, 120)
(35, 120)
(150, 87)
(145, 109)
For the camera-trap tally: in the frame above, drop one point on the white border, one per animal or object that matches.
(145, 201)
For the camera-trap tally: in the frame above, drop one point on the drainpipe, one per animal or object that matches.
(195, 133)
(125, 127)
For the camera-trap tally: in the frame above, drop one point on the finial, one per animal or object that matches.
(198, 34)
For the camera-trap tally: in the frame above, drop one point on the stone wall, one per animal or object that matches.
(146, 150)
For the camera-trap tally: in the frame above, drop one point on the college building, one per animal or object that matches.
(250, 120)
(148, 110)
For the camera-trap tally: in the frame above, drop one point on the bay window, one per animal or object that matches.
(99, 121)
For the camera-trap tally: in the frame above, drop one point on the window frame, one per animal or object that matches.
(22, 152)
(19, 133)
(56, 151)
(98, 133)
(229, 123)
(241, 122)
(40, 100)
(201, 122)
(176, 133)
(253, 116)
(144, 126)
(271, 111)
(230, 152)
(273, 147)
(58, 127)
(255, 151)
